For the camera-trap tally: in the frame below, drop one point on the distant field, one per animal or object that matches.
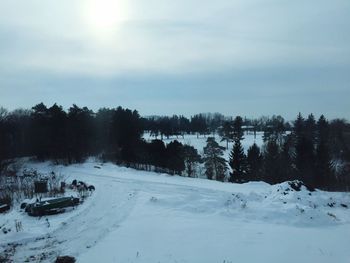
(200, 142)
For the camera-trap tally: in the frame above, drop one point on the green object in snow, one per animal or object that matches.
(51, 206)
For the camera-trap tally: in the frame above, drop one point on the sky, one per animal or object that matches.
(164, 57)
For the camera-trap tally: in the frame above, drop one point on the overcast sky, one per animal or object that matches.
(247, 57)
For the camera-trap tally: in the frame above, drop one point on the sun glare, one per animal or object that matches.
(105, 14)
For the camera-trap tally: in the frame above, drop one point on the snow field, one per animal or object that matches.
(200, 142)
(137, 216)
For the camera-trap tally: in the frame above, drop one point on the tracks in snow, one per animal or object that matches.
(103, 212)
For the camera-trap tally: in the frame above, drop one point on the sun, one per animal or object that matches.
(105, 14)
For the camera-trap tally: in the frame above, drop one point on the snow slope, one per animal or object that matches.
(136, 216)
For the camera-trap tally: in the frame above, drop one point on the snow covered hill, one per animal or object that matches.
(136, 216)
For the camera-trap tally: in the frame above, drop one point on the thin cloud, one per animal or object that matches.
(205, 55)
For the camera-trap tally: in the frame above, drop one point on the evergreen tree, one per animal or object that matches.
(299, 127)
(184, 125)
(305, 161)
(165, 127)
(126, 129)
(237, 160)
(175, 157)
(286, 160)
(39, 131)
(304, 151)
(15, 134)
(272, 168)
(254, 163)
(103, 120)
(226, 132)
(199, 124)
(57, 128)
(80, 133)
(215, 121)
(191, 157)
(237, 163)
(339, 139)
(275, 130)
(310, 129)
(237, 129)
(323, 160)
(157, 152)
(215, 164)
(4, 142)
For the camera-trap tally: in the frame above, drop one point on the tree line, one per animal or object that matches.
(313, 151)
(50, 133)
(205, 124)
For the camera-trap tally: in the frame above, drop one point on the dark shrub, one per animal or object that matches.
(65, 259)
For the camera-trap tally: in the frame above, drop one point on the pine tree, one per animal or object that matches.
(254, 163)
(310, 129)
(175, 157)
(215, 164)
(286, 160)
(323, 160)
(275, 130)
(237, 160)
(191, 157)
(57, 132)
(80, 133)
(39, 131)
(237, 163)
(199, 124)
(272, 166)
(305, 161)
(322, 129)
(299, 127)
(226, 132)
(304, 151)
(237, 129)
(157, 151)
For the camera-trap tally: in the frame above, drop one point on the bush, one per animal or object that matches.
(65, 259)
(6, 198)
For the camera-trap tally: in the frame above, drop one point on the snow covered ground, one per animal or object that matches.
(200, 142)
(136, 216)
